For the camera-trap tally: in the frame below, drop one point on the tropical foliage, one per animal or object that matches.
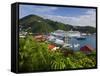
(35, 56)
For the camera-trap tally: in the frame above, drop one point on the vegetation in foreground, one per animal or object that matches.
(35, 56)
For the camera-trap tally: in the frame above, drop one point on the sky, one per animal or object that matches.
(67, 15)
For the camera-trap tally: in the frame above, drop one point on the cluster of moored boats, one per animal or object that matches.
(61, 37)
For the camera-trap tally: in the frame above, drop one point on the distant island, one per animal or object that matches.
(37, 24)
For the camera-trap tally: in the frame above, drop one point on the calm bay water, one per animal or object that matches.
(90, 40)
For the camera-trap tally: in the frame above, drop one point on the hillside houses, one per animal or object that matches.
(40, 38)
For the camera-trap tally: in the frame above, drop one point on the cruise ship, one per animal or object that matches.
(61, 33)
(73, 33)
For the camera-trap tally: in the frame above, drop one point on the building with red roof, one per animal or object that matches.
(52, 47)
(87, 49)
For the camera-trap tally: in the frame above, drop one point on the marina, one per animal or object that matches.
(72, 39)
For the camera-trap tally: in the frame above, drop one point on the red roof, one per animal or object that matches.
(38, 36)
(51, 46)
(87, 49)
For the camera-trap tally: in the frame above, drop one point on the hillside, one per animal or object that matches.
(36, 24)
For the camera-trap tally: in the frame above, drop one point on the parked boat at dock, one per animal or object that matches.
(81, 38)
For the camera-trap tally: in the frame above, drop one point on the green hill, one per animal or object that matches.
(37, 24)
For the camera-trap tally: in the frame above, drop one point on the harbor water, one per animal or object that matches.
(89, 40)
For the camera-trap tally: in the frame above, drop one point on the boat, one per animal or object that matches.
(67, 46)
(59, 42)
(76, 45)
(81, 38)
(73, 33)
(61, 33)
(83, 34)
(51, 38)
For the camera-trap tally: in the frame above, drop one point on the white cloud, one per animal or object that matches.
(33, 9)
(44, 9)
(88, 19)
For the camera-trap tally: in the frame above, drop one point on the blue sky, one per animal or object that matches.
(67, 15)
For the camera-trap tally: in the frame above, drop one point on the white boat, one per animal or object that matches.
(76, 45)
(58, 33)
(59, 42)
(61, 33)
(55, 40)
(73, 33)
(83, 34)
(71, 45)
(51, 38)
(67, 46)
